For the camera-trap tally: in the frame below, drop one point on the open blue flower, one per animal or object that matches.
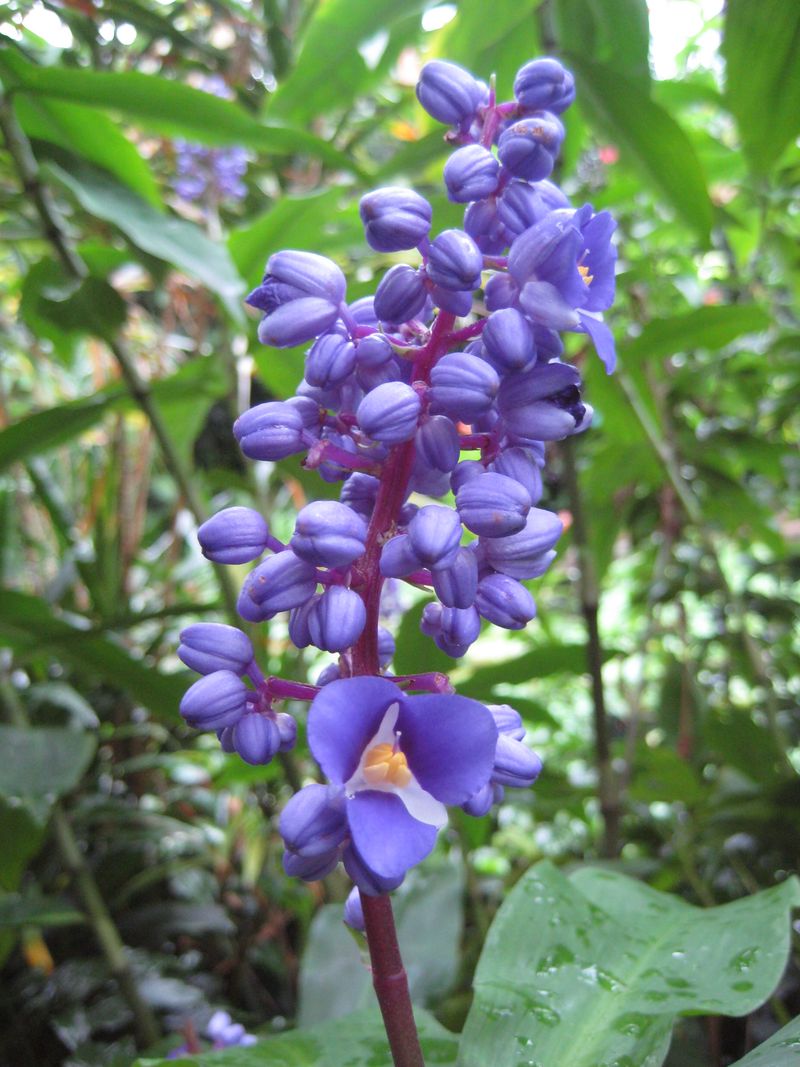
(394, 761)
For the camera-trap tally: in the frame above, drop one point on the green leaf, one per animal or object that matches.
(34, 909)
(429, 915)
(88, 133)
(166, 106)
(171, 239)
(706, 327)
(355, 1041)
(649, 136)
(781, 1050)
(30, 626)
(615, 32)
(761, 46)
(63, 310)
(43, 761)
(21, 833)
(538, 663)
(594, 969)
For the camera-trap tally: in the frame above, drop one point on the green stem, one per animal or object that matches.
(99, 917)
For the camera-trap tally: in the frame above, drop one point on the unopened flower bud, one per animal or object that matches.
(471, 173)
(501, 291)
(457, 584)
(394, 219)
(328, 533)
(299, 633)
(505, 602)
(297, 322)
(330, 361)
(213, 646)
(508, 339)
(482, 222)
(514, 763)
(337, 619)
(454, 261)
(400, 295)
(287, 730)
(353, 913)
(256, 738)
(449, 93)
(386, 646)
(479, 803)
(280, 583)
(270, 431)
(457, 301)
(523, 554)
(435, 535)
(398, 557)
(464, 472)
(359, 492)
(520, 205)
(389, 413)
(437, 443)
(507, 720)
(529, 148)
(493, 505)
(215, 701)
(314, 821)
(544, 84)
(233, 535)
(520, 464)
(373, 351)
(462, 386)
(459, 628)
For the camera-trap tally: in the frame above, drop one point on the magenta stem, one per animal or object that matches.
(282, 689)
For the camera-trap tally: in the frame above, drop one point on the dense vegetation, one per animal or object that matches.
(155, 155)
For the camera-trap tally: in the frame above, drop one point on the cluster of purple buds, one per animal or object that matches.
(210, 174)
(395, 390)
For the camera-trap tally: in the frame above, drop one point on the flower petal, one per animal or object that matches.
(343, 718)
(388, 840)
(602, 339)
(449, 742)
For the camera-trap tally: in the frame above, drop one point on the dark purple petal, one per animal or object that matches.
(343, 718)
(602, 339)
(387, 838)
(449, 742)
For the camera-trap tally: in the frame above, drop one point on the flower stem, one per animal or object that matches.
(390, 981)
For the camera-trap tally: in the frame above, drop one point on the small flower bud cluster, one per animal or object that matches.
(210, 174)
(395, 391)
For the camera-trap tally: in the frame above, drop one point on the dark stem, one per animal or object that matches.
(589, 592)
(390, 981)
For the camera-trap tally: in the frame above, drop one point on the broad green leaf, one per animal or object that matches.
(615, 32)
(166, 106)
(594, 969)
(650, 138)
(706, 327)
(171, 239)
(88, 133)
(43, 761)
(780, 1050)
(31, 627)
(354, 1041)
(538, 663)
(64, 310)
(330, 69)
(429, 916)
(21, 833)
(761, 46)
(34, 909)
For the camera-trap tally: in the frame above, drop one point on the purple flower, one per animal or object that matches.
(395, 219)
(215, 701)
(401, 294)
(471, 173)
(544, 83)
(455, 261)
(212, 646)
(528, 148)
(396, 761)
(449, 93)
(300, 295)
(493, 505)
(271, 431)
(233, 535)
(389, 413)
(328, 533)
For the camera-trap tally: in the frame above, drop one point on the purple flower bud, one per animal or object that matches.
(363, 311)
(428, 481)
(457, 301)
(328, 533)
(514, 763)
(233, 535)
(508, 339)
(501, 291)
(328, 674)
(521, 554)
(256, 738)
(215, 701)
(280, 583)
(459, 628)
(437, 443)
(225, 738)
(292, 275)
(373, 351)
(299, 633)
(431, 621)
(398, 557)
(544, 83)
(310, 868)
(449, 93)
(464, 472)
(297, 322)
(507, 720)
(337, 619)
(389, 413)
(454, 261)
(386, 646)
(529, 148)
(549, 345)
(212, 646)
(359, 492)
(479, 803)
(462, 386)
(543, 404)
(482, 222)
(270, 431)
(331, 470)
(471, 173)
(394, 219)
(520, 464)
(314, 821)
(353, 913)
(287, 730)
(330, 361)
(457, 584)
(503, 601)
(493, 505)
(435, 535)
(400, 295)
(520, 206)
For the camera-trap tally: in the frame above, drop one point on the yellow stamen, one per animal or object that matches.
(383, 764)
(584, 273)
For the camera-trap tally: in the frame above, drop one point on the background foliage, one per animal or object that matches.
(133, 848)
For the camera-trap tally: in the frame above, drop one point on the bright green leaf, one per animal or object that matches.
(43, 761)
(780, 1050)
(706, 327)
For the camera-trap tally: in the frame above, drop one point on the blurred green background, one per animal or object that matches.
(127, 353)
